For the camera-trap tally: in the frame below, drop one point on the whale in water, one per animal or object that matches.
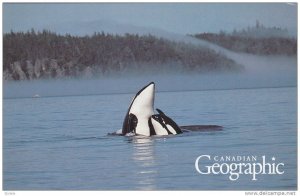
(141, 119)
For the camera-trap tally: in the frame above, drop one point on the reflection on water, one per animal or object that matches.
(143, 156)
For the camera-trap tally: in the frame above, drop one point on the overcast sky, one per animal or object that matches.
(180, 18)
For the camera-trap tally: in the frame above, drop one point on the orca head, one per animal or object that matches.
(142, 103)
(164, 125)
(158, 126)
(139, 111)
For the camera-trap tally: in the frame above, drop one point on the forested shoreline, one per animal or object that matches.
(258, 40)
(43, 55)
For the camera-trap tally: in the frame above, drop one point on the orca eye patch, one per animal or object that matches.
(133, 120)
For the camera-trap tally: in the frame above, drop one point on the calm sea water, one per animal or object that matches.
(61, 143)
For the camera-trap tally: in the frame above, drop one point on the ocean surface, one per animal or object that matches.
(61, 142)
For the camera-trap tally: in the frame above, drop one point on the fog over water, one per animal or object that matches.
(131, 84)
(259, 71)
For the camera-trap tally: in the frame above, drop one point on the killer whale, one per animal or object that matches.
(163, 125)
(141, 119)
(139, 112)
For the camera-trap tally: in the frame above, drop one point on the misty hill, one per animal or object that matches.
(34, 55)
(258, 40)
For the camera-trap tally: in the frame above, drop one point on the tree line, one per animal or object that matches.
(245, 42)
(33, 55)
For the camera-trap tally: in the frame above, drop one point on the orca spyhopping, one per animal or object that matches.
(140, 118)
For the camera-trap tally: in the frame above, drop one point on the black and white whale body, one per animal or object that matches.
(140, 118)
(161, 124)
(139, 112)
